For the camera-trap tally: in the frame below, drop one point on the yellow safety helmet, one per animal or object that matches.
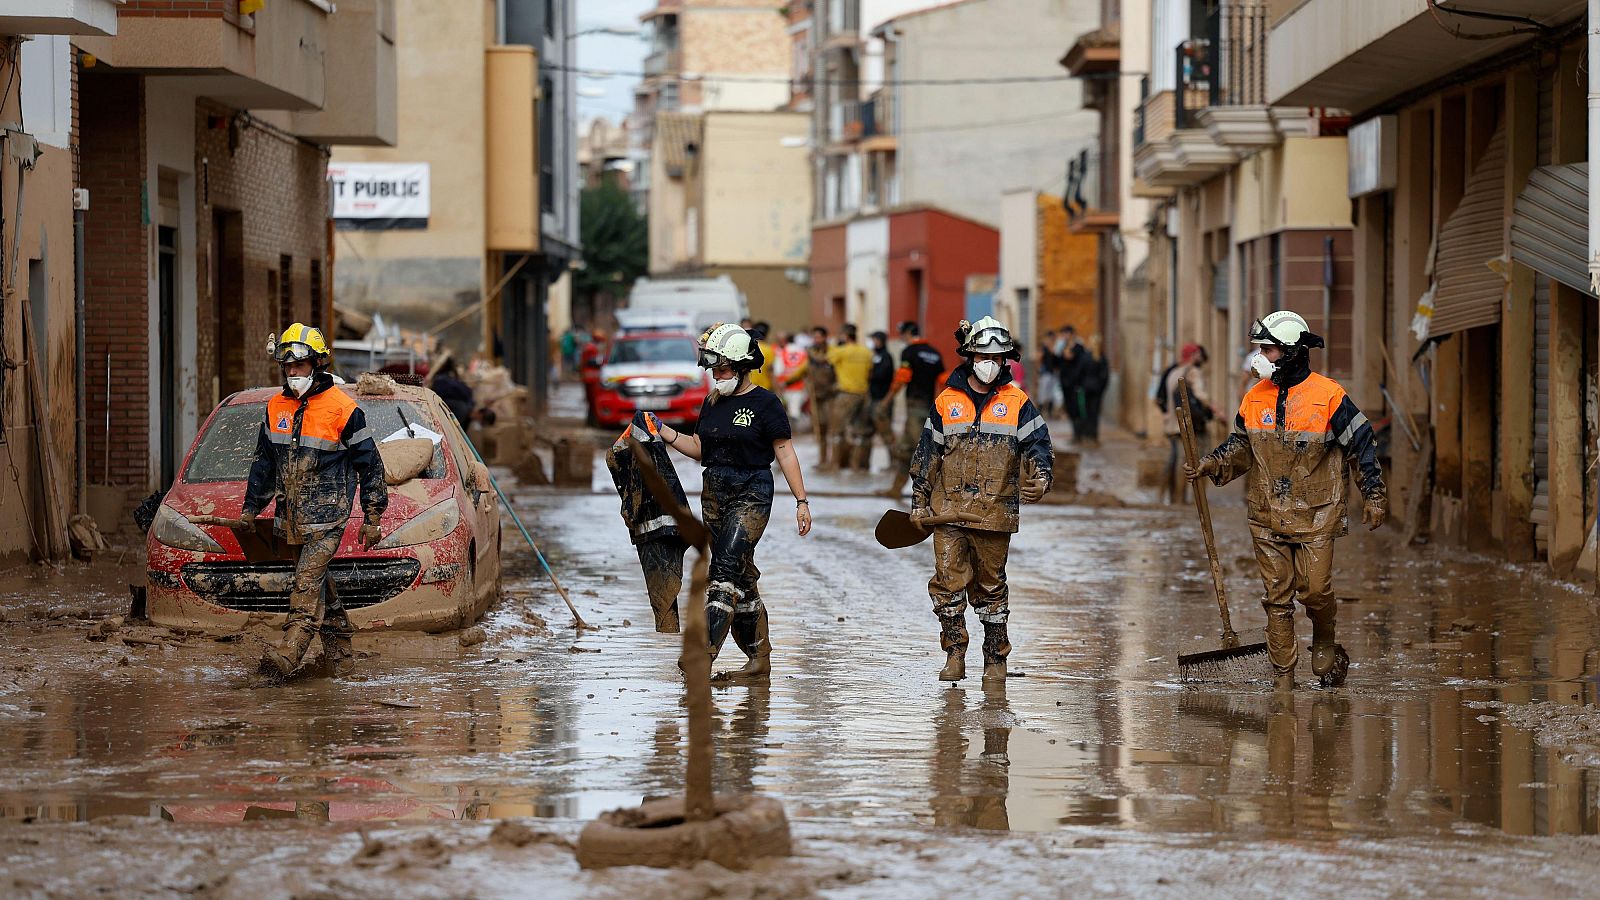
(298, 342)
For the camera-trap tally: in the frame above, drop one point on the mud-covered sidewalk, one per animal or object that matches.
(1458, 759)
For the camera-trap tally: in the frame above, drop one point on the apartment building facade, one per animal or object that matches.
(1468, 177)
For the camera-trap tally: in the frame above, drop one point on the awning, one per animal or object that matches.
(1469, 291)
(1550, 227)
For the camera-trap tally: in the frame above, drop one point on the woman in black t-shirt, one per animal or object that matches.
(743, 430)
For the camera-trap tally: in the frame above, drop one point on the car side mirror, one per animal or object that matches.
(478, 477)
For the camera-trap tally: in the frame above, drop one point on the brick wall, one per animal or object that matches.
(278, 186)
(112, 156)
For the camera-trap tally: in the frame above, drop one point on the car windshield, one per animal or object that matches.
(662, 349)
(228, 447)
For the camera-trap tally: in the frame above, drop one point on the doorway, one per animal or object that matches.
(227, 298)
(167, 341)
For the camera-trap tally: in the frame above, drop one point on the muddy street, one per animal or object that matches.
(1459, 757)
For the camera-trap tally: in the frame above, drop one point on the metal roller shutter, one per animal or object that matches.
(1540, 515)
(1470, 293)
(1549, 230)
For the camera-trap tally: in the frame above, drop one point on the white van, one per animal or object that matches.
(703, 301)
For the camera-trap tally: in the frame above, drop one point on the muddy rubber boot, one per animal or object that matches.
(1331, 663)
(718, 622)
(955, 666)
(1283, 683)
(750, 634)
(338, 654)
(894, 490)
(996, 647)
(953, 638)
(287, 655)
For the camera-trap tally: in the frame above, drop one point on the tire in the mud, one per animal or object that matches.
(746, 828)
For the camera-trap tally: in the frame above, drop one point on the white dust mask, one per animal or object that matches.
(987, 370)
(725, 387)
(299, 384)
(1261, 366)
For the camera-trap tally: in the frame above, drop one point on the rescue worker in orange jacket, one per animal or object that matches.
(312, 451)
(983, 448)
(1295, 437)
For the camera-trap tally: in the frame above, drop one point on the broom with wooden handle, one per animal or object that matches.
(1193, 663)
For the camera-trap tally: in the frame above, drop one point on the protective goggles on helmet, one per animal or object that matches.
(293, 351)
(710, 360)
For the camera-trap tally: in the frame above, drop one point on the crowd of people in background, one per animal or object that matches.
(844, 389)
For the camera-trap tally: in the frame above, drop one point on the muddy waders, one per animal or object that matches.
(736, 504)
(970, 565)
(313, 608)
(1291, 570)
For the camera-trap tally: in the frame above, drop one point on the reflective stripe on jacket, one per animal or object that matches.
(311, 454)
(970, 457)
(1296, 445)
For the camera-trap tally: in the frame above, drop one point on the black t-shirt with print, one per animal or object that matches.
(926, 365)
(738, 431)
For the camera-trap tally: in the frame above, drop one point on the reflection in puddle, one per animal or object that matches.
(853, 726)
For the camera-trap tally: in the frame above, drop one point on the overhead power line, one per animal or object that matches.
(836, 82)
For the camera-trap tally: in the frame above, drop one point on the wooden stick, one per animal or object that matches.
(1230, 639)
(56, 545)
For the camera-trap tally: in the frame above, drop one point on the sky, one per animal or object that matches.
(607, 51)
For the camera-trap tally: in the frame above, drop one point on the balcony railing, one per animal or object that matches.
(852, 120)
(1138, 112)
(663, 60)
(1225, 66)
(883, 112)
(844, 18)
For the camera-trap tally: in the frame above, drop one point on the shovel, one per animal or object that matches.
(896, 530)
(1230, 639)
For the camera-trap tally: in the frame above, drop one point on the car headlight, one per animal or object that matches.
(175, 531)
(433, 523)
(687, 381)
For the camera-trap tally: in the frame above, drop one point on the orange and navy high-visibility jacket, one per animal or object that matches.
(311, 454)
(970, 458)
(1295, 444)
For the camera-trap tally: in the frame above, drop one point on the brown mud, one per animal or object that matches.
(1461, 757)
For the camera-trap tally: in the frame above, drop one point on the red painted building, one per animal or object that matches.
(930, 253)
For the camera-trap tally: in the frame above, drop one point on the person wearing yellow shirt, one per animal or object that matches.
(852, 420)
(762, 377)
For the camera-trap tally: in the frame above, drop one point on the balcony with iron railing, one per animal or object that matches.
(850, 121)
(843, 24)
(663, 59)
(1217, 110)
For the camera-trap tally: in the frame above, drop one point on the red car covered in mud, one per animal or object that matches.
(657, 372)
(437, 567)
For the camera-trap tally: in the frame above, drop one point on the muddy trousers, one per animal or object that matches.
(910, 433)
(314, 606)
(822, 425)
(1289, 571)
(736, 504)
(661, 559)
(852, 428)
(970, 565)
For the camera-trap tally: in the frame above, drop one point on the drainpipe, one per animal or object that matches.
(1594, 147)
(83, 359)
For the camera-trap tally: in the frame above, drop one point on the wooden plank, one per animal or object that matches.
(56, 542)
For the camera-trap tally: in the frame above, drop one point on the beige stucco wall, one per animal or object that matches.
(665, 217)
(756, 191)
(1302, 183)
(419, 277)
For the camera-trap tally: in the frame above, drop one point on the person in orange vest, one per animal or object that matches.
(312, 450)
(983, 448)
(1296, 436)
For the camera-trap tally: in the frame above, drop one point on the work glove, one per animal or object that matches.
(920, 514)
(1033, 486)
(369, 535)
(1375, 512)
(245, 522)
(1206, 468)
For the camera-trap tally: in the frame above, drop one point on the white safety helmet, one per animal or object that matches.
(986, 335)
(730, 343)
(1284, 329)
